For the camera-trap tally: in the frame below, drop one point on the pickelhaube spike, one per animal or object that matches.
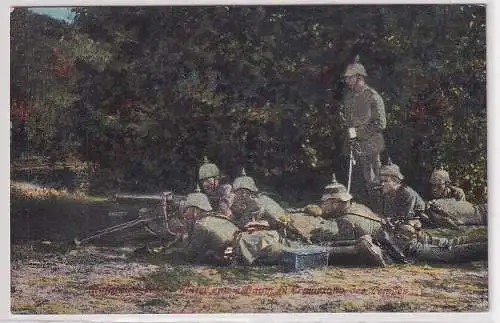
(334, 179)
(244, 181)
(356, 68)
(334, 185)
(198, 199)
(207, 170)
(391, 169)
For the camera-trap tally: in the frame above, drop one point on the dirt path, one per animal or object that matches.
(47, 280)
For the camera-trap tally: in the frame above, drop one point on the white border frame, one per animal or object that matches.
(493, 73)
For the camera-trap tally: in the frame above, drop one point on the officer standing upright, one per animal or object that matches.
(365, 120)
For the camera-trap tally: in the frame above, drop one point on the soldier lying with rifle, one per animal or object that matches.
(448, 206)
(253, 234)
(404, 206)
(259, 228)
(361, 234)
(398, 237)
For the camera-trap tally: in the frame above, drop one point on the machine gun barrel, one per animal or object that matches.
(167, 196)
(138, 197)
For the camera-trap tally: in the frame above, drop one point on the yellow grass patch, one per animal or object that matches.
(55, 307)
(118, 280)
(49, 280)
(32, 192)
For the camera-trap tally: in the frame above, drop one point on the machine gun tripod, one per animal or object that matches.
(162, 220)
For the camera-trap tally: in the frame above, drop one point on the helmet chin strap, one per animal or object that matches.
(360, 83)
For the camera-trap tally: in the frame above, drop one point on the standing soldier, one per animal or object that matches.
(364, 118)
(441, 187)
(220, 195)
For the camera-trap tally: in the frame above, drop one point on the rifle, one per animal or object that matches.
(446, 218)
(352, 161)
(283, 223)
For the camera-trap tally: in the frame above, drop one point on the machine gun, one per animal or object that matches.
(163, 219)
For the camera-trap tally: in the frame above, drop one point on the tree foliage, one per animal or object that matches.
(153, 89)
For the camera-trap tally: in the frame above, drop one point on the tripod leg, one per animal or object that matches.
(109, 230)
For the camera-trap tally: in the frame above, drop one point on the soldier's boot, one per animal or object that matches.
(372, 251)
(385, 240)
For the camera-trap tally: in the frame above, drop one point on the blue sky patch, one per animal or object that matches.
(61, 13)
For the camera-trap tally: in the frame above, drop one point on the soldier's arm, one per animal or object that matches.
(378, 121)
(225, 210)
(459, 194)
(343, 113)
(226, 200)
(409, 205)
(227, 195)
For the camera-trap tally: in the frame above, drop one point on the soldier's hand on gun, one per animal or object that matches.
(389, 222)
(423, 216)
(353, 139)
(352, 133)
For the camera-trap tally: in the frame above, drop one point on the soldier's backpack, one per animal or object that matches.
(314, 228)
(260, 246)
(213, 233)
(273, 212)
(453, 214)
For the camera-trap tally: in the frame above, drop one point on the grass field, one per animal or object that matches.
(48, 276)
(48, 279)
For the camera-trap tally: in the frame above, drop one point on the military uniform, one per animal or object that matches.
(405, 205)
(313, 227)
(364, 110)
(357, 222)
(356, 219)
(208, 234)
(360, 231)
(222, 197)
(422, 246)
(441, 177)
(244, 207)
(258, 241)
(454, 192)
(453, 214)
